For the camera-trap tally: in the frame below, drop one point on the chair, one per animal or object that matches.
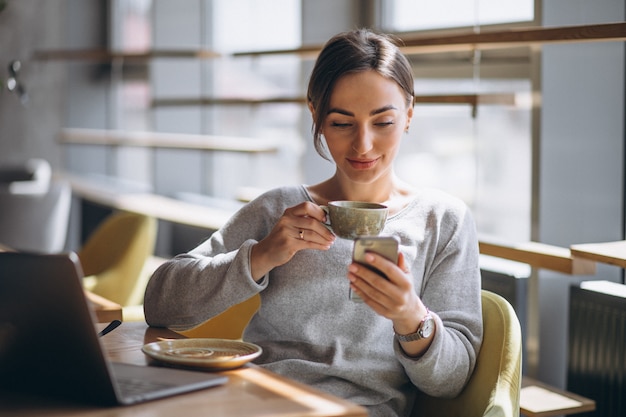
(32, 176)
(37, 221)
(114, 255)
(494, 387)
(228, 325)
(34, 209)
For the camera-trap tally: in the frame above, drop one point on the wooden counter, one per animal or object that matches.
(538, 255)
(613, 253)
(541, 400)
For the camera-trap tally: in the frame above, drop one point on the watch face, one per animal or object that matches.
(427, 327)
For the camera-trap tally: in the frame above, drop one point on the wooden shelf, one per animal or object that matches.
(515, 38)
(103, 55)
(416, 44)
(538, 255)
(225, 101)
(613, 253)
(486, 40)
(420, 44)
(167, 140)
(153, 205)
(470, 99)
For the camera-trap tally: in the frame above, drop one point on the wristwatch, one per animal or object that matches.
(424, 330)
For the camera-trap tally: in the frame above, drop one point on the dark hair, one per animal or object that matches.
(352, 52)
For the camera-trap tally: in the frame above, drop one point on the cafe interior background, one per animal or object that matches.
(542, 160)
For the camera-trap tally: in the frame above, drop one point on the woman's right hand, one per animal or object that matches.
(300, 227)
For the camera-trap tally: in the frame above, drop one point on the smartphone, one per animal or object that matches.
(386, 246)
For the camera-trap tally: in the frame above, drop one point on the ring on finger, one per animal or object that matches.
(301, 234)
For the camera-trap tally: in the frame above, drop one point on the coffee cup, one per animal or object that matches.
(351, 219)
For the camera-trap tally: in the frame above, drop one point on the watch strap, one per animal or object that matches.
(417, 335)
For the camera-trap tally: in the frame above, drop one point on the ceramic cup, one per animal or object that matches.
(351, 219)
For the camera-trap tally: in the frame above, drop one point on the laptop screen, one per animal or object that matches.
(48, 343)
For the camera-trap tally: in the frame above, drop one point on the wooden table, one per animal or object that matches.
(548, 401)
(105, 310)
(251, 391)
(613, 253)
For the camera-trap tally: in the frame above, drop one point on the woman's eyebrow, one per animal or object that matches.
(383, 109)
(340, 111)
(372, 113)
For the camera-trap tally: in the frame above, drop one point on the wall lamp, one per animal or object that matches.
(13, 84)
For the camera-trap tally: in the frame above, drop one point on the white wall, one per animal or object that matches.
(30, 131)
(581, 196)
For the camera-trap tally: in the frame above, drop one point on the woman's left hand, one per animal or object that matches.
(393, 297)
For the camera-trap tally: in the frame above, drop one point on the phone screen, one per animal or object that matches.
(386, 246)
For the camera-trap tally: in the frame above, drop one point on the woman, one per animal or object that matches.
(373, 353)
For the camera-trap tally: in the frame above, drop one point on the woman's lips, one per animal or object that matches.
(362, 163)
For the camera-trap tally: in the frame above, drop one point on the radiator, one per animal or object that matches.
(597, 346)
(508, 279)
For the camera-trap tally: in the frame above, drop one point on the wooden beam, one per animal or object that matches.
(470, 99)
(224, 101)
(515, 38)
(538, 255)
(612, 253)
(409, 44)
(153, 205)
(501, 39)
(104, 55)
(167, 140)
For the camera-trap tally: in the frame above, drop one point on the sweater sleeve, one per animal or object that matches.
(193, 287)
(451, 290)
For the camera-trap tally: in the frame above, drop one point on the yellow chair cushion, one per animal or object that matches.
(494, 387)
(228, 325)
(114, 257)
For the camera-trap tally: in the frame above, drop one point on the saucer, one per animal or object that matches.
(208, 354)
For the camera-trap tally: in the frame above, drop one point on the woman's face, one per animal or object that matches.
(365, 123)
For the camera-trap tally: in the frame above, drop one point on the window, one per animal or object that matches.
(251, 25)
(413, 15)
(484, 159)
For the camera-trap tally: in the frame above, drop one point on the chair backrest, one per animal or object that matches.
(230, 324)
(114, 256)
(494, 387)
(36, 222)
(32, 176)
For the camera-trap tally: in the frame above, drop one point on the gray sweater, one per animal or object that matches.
(308, 328)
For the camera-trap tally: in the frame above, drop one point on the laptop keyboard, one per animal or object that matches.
(134, 386)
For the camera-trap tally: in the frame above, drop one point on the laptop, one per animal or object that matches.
(49, 344)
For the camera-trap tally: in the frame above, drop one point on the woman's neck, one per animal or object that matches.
(392, 192)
